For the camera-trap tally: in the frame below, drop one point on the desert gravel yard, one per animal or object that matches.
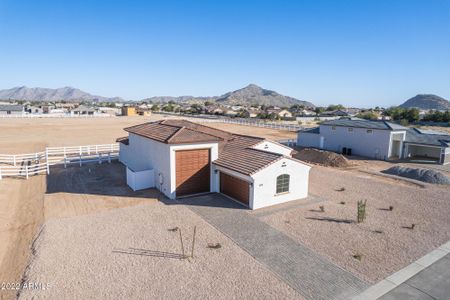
(77, 257)
(384, 242)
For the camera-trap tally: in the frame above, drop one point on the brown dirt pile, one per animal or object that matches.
(321, 157)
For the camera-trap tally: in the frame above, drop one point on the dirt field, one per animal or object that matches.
(99, 262)
(23, 135)
(383, 240)
(27, 204)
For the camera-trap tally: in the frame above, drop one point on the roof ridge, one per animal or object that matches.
(175, 133)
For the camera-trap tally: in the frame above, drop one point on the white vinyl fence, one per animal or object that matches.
(25, 165)
(239, 121)
(55, 116)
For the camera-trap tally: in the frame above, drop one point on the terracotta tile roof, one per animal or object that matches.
(236, 151)
(246, 160)
(181, 132)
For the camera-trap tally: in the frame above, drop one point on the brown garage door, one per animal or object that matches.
(192, 169)
(234, 187)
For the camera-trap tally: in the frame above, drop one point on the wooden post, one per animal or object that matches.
(80, 161)
(109, 157)
(26, 170)
(99, 158)
(14, 160)
(181, 240)
(193, 242)
(65, 162)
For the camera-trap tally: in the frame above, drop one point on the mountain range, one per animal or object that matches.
(249, 95)
(426, 102)
(45, 94)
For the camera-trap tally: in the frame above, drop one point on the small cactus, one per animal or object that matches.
(361, 216)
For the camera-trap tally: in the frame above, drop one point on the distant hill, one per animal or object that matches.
(44, 94)
(253, 94)
(180, 99)
(427, 101)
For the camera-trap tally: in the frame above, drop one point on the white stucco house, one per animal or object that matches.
(182, 158)
(377, 139)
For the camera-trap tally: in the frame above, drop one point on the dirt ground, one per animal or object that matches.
(384, 240)
(26, 135)
(131, 253)
(26, 205)
(68, 196)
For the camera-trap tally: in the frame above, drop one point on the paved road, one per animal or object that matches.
(309, 274)
(429, 284)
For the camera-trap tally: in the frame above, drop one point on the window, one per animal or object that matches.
(369, 131)
(283, 183)
(350, 129)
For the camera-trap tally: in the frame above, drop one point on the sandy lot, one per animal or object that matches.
(82, 258)
(383, 239)
(27, 204)
(23, 135)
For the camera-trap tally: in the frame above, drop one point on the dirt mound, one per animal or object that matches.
(424, 175)
(321, 157)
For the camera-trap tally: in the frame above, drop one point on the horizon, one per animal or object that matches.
(205, 96)
(325, 52)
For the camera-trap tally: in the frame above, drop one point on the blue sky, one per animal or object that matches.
(354, 52)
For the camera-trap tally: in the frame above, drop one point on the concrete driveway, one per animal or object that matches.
(313, 276)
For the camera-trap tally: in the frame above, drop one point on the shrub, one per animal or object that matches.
(342, 202)
(358, 256)
(322, 208)
(391, 208)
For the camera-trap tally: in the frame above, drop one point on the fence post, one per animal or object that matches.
(26, 170)
(14, 160)
(80, 161)
(99, 158)
(65, 162)
(109, 157)
(0, 173)
(96, 149)
(46, 160)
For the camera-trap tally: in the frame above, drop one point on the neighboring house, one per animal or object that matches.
(143, 111)
(334, 113)
(83, 110)
(376, 139)
(282, 113)
(11, 109)
(426, 144)
(112, 111)
(214, 110)
(129, 111)
(182, 158)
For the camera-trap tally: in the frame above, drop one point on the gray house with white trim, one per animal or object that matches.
(376, 139)
(11, 109)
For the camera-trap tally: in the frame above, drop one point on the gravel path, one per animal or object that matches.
(76, 257)
(305, 271)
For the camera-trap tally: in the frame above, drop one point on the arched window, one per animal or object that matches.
(283, 183)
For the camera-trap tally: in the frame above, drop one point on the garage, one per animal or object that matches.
(192, 169)
(416, 152)
(235, 188)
